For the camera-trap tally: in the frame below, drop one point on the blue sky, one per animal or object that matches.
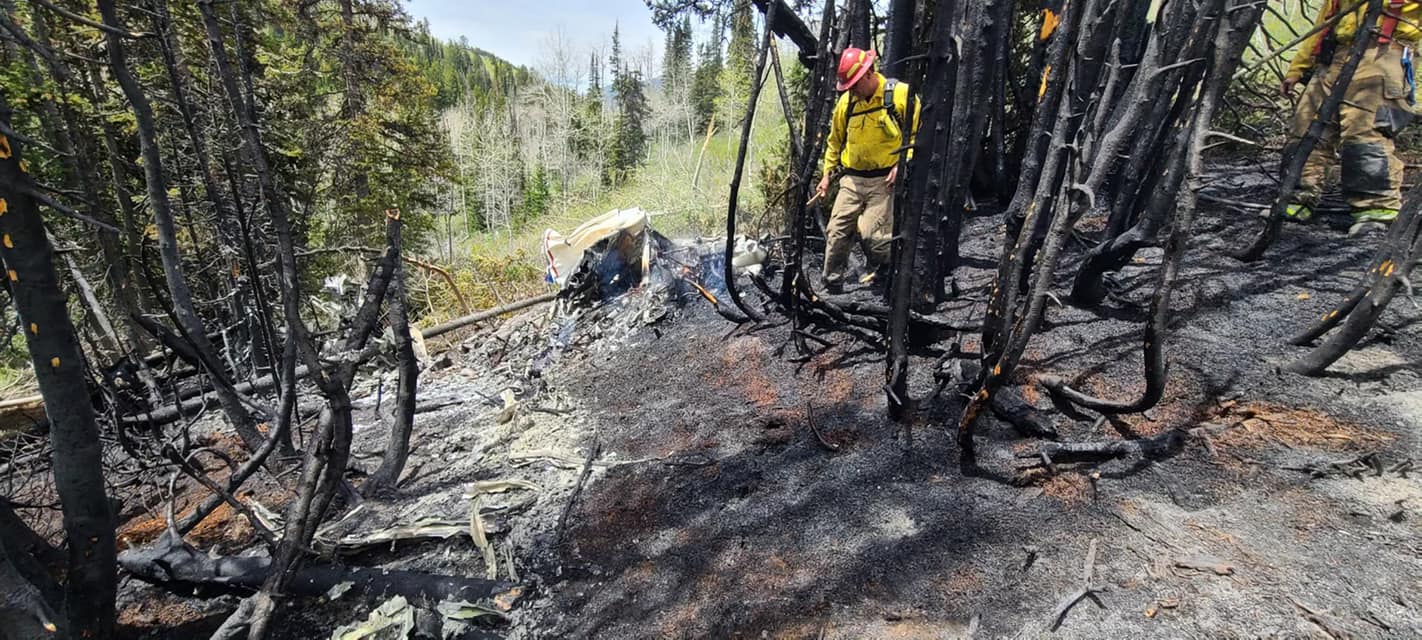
(518, 31)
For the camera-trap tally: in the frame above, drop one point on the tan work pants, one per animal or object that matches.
(1374, 111)
(865, 205)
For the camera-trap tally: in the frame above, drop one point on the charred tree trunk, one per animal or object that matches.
(188, 321)
(898, 39)
(1116, 252)
(1064, 195)
(927, 279)
(811, 149)
(121, 179)
(796, 144)
(94, 307)
(224, 203)
(1155, 183)
(1236, 26)
(1066, 167)
(389, 274)
(367, 317)
(1163, 176)
(91, 581)
(326, 458)
(983, 31)
(79, 155)
(262, 324)
(1021, 213)
(1001, 79)
(1021, 235)
(734, 206)
(921, 190)
(397, 448)
(859, 27)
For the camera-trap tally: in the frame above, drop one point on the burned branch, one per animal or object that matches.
(1051, 453)
(176, 565)
(758, 80)
(1398, 256)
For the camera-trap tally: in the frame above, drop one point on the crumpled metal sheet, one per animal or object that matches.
(393, 620)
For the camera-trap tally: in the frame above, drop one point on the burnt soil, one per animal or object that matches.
(714, 510)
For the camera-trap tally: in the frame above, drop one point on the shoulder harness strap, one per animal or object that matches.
(890, 84)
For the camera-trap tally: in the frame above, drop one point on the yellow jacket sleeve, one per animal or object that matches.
(834, 144)
(1304, 59)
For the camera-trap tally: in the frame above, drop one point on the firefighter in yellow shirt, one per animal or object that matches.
(864, 144)
(1379, 103)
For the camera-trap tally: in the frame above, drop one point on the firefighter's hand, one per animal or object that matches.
(1288, 87)
(823, 187)
(893, 176)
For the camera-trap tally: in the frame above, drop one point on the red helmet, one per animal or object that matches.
(853, 64)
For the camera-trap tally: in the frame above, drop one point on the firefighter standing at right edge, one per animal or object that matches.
(1379, 103)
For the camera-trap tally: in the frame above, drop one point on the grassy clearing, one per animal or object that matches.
(17, 378)
(663, 185)
(496, 267)
(1284, 25)
(17, 381)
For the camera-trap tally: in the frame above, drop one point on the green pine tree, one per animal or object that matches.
(595, 80)
(705, 82)
(627, 148)
(629, 139)
(739, 71)
(537, 195)
(676, 58)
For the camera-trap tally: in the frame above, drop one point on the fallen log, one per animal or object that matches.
(1026, 419)
(21, 413)
(175, 565)
(881, 312)
(174, 412)
(1068, 452)
(460, 323)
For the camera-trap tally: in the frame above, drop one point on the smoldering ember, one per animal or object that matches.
(823, 319)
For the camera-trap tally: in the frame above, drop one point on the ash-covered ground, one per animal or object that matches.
(712, 508)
